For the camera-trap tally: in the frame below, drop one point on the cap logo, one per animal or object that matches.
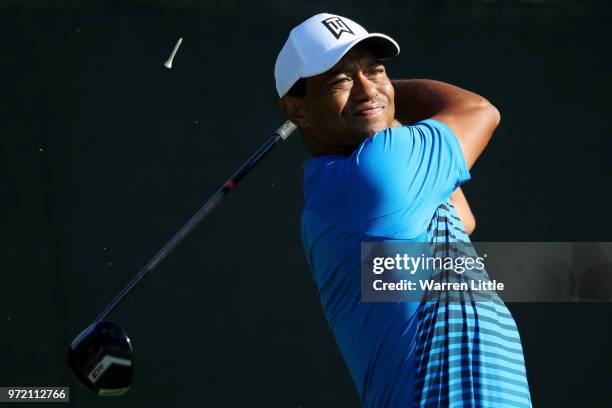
(336, 26)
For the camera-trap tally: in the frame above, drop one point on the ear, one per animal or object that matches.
(293, 108)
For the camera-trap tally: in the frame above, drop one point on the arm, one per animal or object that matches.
(471, 117)
(463, 210)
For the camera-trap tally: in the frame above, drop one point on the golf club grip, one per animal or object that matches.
(280, 135)
(286, 129)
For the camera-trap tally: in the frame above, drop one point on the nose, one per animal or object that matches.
(363, 88)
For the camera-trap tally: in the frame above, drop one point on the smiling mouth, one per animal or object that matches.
(369, 112)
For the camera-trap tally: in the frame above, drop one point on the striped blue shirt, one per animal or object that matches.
(433, 353)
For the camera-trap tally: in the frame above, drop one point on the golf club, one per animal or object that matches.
(101, 357)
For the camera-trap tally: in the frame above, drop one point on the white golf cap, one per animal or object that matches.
(318, 43)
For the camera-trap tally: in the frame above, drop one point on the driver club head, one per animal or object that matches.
(102, 359)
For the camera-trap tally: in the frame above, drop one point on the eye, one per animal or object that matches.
(341, 80)
(377, 70)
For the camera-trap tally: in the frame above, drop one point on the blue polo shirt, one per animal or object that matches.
(391, 188)
(391, 184)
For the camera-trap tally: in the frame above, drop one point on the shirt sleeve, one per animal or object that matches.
(421, 164)
(394, 181)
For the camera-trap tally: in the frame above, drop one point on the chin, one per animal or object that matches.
(370, 130)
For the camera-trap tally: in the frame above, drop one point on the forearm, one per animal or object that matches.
(470, 116)
(418, 99)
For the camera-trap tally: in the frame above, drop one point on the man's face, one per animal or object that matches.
(347, 104)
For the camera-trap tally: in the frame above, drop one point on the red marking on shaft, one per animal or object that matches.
(230, 184)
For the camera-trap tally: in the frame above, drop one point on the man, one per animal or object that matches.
(370, 178)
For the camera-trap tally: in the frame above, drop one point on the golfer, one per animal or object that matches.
(387, 159)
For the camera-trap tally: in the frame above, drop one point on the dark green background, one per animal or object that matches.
(105, 154)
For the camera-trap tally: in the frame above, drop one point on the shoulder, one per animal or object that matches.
(405, 135)
(384, 142)
(400, 146)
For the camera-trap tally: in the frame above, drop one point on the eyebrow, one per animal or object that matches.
(368, 62)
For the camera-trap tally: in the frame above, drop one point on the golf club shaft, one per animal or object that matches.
(280, 135)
